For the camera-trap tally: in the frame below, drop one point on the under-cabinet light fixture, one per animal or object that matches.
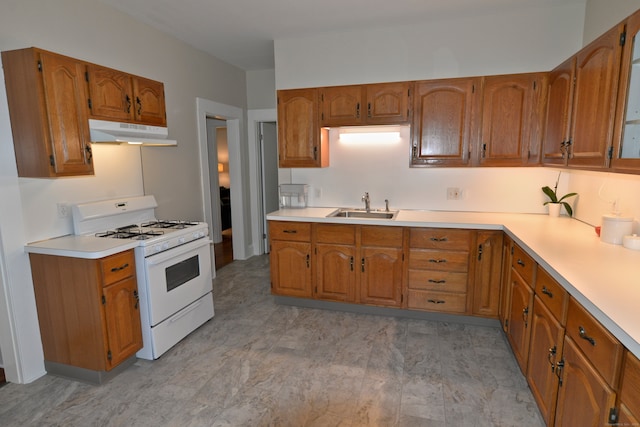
(370, 135)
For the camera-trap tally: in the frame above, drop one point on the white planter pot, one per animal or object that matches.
(554, 209)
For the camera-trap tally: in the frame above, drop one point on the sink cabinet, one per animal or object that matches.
(88, 311)
(46, 94)
(336, 257)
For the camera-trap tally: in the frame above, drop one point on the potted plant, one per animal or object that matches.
(554, 202)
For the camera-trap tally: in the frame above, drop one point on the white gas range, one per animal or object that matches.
(173, 266)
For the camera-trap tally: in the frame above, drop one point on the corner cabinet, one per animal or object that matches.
(46, 94)
(115, 95)
(88, 311)
(444, 120)
(301, 141)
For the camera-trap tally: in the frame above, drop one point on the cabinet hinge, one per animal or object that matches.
(623, 38)
(89, 103)
(109, 355)
(506, 323)
(401, 297)
(40, 66)
(86, 76)
(613, 415)
(535, 85)
(511, 250)
(52, 162)
(610, 153)
(528, 154)
(104, 300)
(473, 88)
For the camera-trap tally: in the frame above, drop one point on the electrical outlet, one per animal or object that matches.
(454, 193)
(63, 210)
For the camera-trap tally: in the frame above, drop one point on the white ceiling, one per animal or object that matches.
(241, 32)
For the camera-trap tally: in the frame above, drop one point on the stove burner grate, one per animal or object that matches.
(129, 232)
(169, 224)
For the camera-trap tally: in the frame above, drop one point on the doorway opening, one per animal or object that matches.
(268, 139)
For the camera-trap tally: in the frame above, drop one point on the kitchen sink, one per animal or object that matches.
(361, 213)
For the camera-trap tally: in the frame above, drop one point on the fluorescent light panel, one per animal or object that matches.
(370, 135)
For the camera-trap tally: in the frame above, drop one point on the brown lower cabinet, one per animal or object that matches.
(630, 392)
(88, 310)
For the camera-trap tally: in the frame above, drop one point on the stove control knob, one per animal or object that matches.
(165, 245)
(182, 240)
(157, 248)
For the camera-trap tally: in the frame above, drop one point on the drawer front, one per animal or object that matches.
(431, 280)
(523, 264)
(602, 349)
(553, 295)
(428, 259)
(286, 230)
(440, 238)
(630, 388)
(437, 301)
(389, 237)
(339, 234)
(117, 267)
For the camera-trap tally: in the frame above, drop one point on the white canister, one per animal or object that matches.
(614, 228)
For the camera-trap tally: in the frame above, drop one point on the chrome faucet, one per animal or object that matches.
(367, 202)
(386, 205)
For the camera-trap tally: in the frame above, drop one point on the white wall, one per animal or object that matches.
(604, 14)
(91, 31)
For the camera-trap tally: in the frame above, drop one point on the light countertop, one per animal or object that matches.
(89, 247)
(604, 278)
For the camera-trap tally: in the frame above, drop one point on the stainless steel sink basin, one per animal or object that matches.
(361, 213)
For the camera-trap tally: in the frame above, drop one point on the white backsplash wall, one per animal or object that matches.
(384, 172)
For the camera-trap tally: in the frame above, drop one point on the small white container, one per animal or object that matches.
(293, 195)
(631, 242)
(614, 228)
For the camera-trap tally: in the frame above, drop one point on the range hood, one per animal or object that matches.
(102, 131)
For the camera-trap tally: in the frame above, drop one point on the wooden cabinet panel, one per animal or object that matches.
(433, 280)
(584, 398)
(335, 272)
(438, 260)
(388, 103)
(601, 348)
(381, 276)
(301, 142)
(444, 120)
(519, 330)
(388, 237)
(149, 102)
(558, 113)
(46, 94)
(488, 271)
(122, 320)
(505, 293)
(291, 268)
(447, 302)
(552, 294)
(440, 238)
(511, 119)
(341, 105)
(545, 350)
(117, 267)
(523, 264)
(594, 102)
(630, 390)
(289, 230)
(344, 234)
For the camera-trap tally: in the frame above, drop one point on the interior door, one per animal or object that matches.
(269, 165)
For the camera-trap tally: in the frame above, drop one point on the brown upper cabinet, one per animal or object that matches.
(626, 152)
(46, 94)
(580, 119)
(511, 130)
(301, 141)
(372, 104)
(118, 96)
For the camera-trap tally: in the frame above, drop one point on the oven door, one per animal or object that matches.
(177, 277)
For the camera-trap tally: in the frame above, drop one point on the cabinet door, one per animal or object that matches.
(110, 94)
(486, 290)
(299, 139)
(505, 295)
(336, 272)
(511, 120)
(626, 155)
(584, 398)
(519, 329)
(388, 103)
(122, 321)
(547, 338)
(149, 104)
(630, 391)
(594, 101)
(65, 95)
(291, 268)
(381, 276)
(443, 122)
(341, 106)
(558, 113)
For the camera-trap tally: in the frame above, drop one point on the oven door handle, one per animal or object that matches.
(161, 257)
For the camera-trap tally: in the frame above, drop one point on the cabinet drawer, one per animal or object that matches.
(523, 264)
(630, 388)
(552, 294)
(601, 348)
(284, 230)
(437, 301)
(338, 234)
(428, 259)
(440, 238)
(438, 280)
(117, 267)
(382, 236)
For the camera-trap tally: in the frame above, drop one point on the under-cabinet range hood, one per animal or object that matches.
(131, 133)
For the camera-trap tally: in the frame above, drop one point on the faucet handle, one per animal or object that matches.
(386, 205)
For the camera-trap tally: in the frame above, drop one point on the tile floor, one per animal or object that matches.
(261, 364)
